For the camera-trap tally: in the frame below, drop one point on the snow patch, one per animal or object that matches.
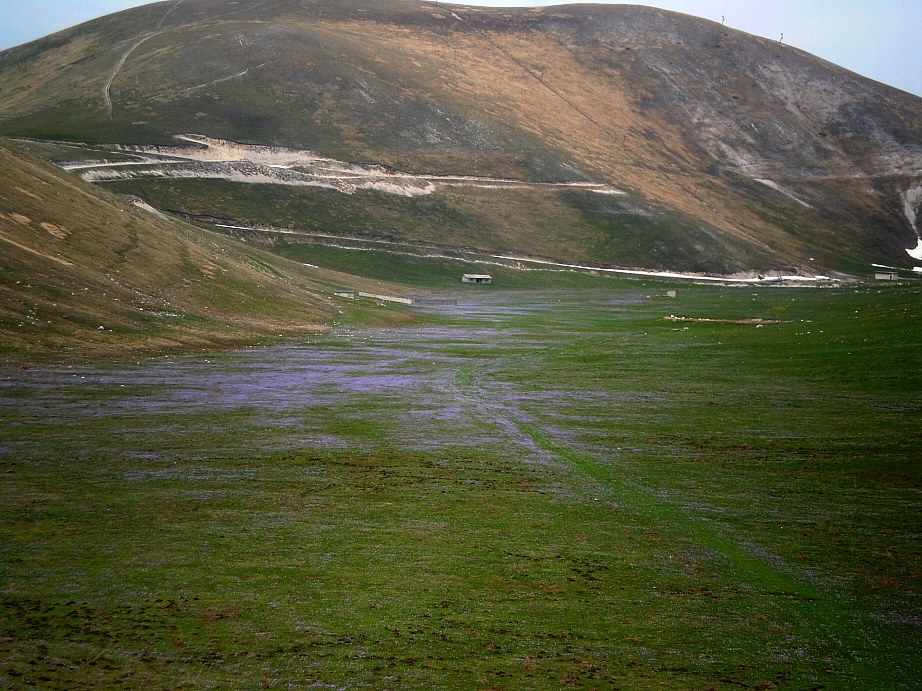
(917, 252)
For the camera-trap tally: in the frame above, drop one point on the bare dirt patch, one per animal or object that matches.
(25, 248)
(20, 219)
(27, 193)
(209, 158)
(59, 232)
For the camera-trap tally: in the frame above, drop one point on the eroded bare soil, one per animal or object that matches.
(211, 158)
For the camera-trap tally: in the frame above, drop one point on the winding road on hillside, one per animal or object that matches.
(107, 89)
(208, 158)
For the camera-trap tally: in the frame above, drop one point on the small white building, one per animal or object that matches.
(476, 278)
(886, 276)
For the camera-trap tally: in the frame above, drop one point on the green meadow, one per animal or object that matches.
(526, 489)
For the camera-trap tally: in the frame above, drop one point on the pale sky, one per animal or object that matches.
(880, 39)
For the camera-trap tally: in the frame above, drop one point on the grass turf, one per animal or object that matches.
(536, 490)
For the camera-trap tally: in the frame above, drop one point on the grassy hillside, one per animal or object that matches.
(86, 270)
(733, 152)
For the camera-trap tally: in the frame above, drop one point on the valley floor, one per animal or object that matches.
(531, 490)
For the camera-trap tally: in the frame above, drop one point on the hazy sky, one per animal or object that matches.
(881, 39)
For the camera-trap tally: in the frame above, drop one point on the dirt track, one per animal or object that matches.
(205, 157)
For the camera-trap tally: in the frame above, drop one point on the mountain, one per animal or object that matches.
(604, 135)
(84, 270)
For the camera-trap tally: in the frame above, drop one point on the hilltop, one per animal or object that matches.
(609, 135)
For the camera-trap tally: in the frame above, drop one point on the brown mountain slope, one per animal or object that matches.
(81, 269)
(732, 152)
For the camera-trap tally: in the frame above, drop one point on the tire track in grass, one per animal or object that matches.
(755, 572)
(825, 619)
(758, 574)
(843, 638)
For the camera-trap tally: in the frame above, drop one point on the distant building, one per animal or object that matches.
(886, 276)
(476, 278)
